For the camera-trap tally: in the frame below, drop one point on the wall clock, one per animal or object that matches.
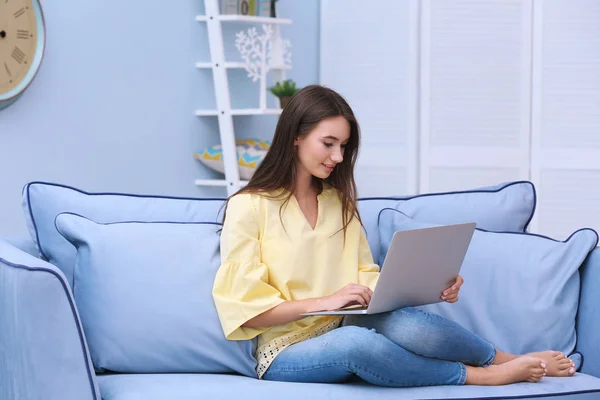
(22, 41)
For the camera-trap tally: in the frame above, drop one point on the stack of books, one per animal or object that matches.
(262, 8)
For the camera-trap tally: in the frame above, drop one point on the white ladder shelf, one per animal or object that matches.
(219, 66)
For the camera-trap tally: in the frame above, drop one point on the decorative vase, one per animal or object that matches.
(284, 100)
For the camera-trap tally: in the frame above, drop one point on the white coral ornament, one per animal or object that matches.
(253, 50)
(259, 52)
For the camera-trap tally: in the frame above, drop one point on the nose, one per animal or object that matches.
(337, 157)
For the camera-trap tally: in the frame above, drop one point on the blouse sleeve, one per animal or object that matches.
(368, 271)
(241, 290)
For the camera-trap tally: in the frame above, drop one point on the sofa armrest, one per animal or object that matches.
(588, 316)
(43, 353)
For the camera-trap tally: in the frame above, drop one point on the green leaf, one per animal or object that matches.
(287, 88)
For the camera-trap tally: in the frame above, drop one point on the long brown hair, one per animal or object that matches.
(277, 171)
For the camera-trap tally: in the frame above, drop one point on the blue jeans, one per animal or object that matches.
(406, 347)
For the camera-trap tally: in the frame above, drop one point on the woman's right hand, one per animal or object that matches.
(292, 310)
(350, 295)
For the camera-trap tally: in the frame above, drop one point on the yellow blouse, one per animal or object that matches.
(265, 263)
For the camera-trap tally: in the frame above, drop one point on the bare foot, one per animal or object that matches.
(557, 363)
(521, 369)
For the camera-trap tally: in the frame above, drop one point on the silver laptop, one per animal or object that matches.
(419, 266)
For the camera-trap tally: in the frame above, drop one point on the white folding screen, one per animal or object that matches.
(566, 116)
(475, 93)
(458, 94)
(368, 55)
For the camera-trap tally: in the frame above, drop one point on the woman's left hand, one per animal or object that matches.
(450, 295)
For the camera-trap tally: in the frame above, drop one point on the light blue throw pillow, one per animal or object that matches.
(43, 201)
(521, 290)
(144, 294)
(505, 207)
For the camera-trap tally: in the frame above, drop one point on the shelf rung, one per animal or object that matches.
(211, 182)
(241, 111)
(256, 111)
(239, 65)
(216, 182)
(247, 18)
(206, 113)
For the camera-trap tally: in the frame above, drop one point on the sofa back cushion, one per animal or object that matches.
(42, 202)
(521, 290)
(144, 294)
(506, 207)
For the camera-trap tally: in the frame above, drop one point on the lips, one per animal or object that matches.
(328, 167)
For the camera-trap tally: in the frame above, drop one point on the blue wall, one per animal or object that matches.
(112, 108)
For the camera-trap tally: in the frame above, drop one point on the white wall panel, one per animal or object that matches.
(475, 92)
(565, 157)
(368, 55)
(458, 94)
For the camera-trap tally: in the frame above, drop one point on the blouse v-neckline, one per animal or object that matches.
(319, 210)
(304, 215)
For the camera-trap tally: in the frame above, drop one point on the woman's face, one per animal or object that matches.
(323, 147)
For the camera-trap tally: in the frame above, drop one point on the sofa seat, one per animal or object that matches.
(220, 386)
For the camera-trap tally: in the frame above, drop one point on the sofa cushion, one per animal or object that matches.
(505, 207)
(43, 201)
(226, 387)
(144, 294)
(521, 290)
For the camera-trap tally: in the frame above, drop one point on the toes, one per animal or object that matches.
(566, 372)
(559, 356)
(565, 364)
(569, 372)
(570, 365)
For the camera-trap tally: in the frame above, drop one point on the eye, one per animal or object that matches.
(328, 144)
(344, 145)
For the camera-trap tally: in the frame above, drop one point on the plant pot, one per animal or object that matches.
(284, 100)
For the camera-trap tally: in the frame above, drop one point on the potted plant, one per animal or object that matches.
(284, 91)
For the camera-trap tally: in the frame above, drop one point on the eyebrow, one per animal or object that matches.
(334, 138)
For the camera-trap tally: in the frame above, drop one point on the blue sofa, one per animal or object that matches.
(46, 352)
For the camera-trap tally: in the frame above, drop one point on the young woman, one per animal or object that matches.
(292, 242)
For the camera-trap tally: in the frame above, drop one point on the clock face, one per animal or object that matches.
(18, 42)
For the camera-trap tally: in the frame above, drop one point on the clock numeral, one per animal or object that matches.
(22, 34)
(20, 12)
(7, 70)
(18, 55)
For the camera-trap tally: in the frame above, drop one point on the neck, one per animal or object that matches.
(304, 186)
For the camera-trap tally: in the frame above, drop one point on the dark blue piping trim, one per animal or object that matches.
(136, 222)
(502, 232)
(577, 352)
(529, 396)
(122, 222)
(468, 191)
(37, 236)
(77, 322)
